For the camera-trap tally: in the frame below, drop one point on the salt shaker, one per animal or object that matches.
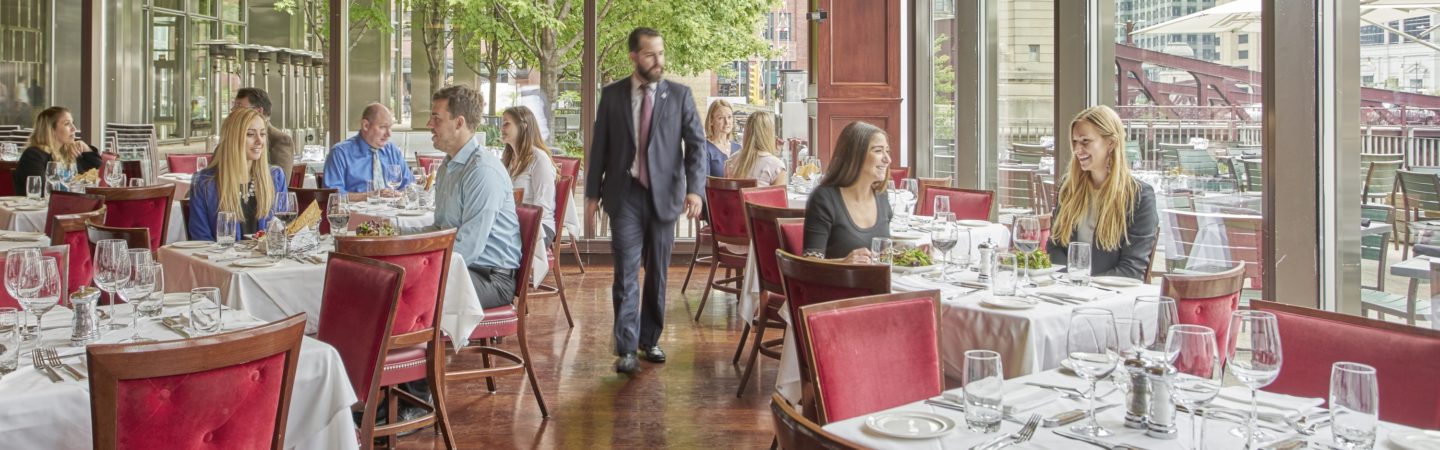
(85, 324)
(1139, 395)
(1160, 423)
(987, 259)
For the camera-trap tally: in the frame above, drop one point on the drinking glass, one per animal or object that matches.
(1127, 335)
(114, 173)
(1354, 404)
(34, 187)
(136, 289)
(1078, 263)
(1027, 239)
(963, 246)
(984, 391)
(14, 266)
(338, 212)
(1253, 352)
(1092, 345)
(226, 225)
(882, 250)
(1005, 276)
(1156, 315)
(376, 188)
(944, 236)
(9, 340)
(394, 176)
(137, 182)
(201, 163)
(1191, 350)
(52, 174)
(40, 287)
(286, 207)
(205, 310)
(941, 206)
(109, 265)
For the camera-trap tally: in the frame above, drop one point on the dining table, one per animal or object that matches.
(36, 412)
(18, 213)
(416, 217)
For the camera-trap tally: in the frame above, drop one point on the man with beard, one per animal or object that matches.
(647, 166)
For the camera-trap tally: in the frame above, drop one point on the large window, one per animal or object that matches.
(1025, 105)
(180, 76)
(24, 60)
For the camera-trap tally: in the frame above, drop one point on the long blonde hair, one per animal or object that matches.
(759, 141)
(1116, 195)
(711, 114)
(43, 137)
(233, 170)
(518, 160)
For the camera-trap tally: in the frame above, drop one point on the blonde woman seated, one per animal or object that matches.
(240, 179)
(527, 159)
(1101, 203)
(846, 211)
(53, 140)
(758, 158)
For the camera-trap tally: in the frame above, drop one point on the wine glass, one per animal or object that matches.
(1253, 352)
(394, 177)
(338, 212)
(1354, 404)
(882, 250)
(52, 174)
(286, 207)
(1093, 348)
(136, 288)
(910, 192)
(34, 188)
(1027, 239)
(114, 173)
(109, 265)
(14, 266)
(1191, 350)
(225, 225)
(1156, 314)
(941, 206)
(201, 163)
(944, 236)
(39, 287)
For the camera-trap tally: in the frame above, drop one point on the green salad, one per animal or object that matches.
(1033, 260)
(914, 257)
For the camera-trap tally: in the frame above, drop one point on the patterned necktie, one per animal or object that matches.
(646, 106)
(377, 176)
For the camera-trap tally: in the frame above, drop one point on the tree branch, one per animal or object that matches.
(510, 20)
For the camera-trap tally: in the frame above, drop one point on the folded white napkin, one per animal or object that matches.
(1018, 397)
(1083, 294)
(1266, 402)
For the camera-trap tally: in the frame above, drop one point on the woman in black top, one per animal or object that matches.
(54, 140)
(845, 212)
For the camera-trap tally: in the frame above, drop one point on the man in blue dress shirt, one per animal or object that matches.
(354, 162)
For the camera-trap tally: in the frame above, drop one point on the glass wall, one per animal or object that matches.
(180, 77)
(24, 60)
(942, 96)
(1025, 105)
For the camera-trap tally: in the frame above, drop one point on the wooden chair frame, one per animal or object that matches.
(734, 275)
(368, 405)
(759, 346)
(553, 261)
(793, 431)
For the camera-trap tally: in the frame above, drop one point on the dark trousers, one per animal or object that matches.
(639, 236)
(494, 287)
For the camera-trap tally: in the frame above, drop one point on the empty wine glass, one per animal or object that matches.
(114, 173)
(136, 288)
(1191, 350)
(1093, 348)
(39, 287)
(109, 265)
(1354, 404)
(338, 212)
(52, 174)
(394, 177)
(1027, 239)
(1253, 352)
(14, 267)
(1156, 314)
(201, 163)
(941, 206)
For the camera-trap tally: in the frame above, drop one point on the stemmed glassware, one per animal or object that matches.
(1155, 315)
(1192, 351)
(136, 289)
(338, 212)
(39, 287)
(15, 261)
(201, 163)
(1093, 347)
(1027, 239)
(286, 207)
(394, 177)
(944, 236)
(52, 174)
(1354, 404)
(110, 265)
(114, 173)
(909, 193)
(1254, 357)
(941, 206)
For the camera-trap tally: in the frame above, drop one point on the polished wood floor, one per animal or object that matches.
(688, 402)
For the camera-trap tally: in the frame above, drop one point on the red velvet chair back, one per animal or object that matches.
(1206, 299)
(562, 203)
(899, 174)
(70, 231)
(321, 198)
(569, 167)
(529, 218)
(727, 210)
(812, 281)
(7, 178)
(768, 196)
(852, 373)
(70, 203)
(229, 390)
(139, 207)
(426, 258)
(356, 311)
(185, 162)
(426, 161)
(765, 236)
(966, 204)
(792, 235)
(297, 175)
(1406, 359)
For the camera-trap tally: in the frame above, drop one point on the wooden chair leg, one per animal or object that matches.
(530, 373)
(714, 264)
(575, 248)
(437, 396)
(694, 258)
(754, 355)
(489, 381)
(559, 286)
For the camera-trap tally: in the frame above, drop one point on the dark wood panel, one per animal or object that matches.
(858, 50)
(833, 116)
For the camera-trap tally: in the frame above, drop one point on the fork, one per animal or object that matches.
(52, 358)
(1024, 435)
(40, 366)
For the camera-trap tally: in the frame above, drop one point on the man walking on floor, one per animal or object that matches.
(646, 167)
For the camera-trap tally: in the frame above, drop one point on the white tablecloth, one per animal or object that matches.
(35, 413)
(1216, 433)
(24, 216)
(290, 287)
(362, 212)
(182, 182)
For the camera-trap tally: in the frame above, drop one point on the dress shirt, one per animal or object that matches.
(637, 96)
(473, 197)
(351, 165)
(205, 203)
(539, 185)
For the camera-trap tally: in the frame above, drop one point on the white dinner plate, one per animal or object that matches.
(1115, 281)
(410, 213)
(1416, 439)
(910, 424)
(177, 299)
(973, 223)
(255, 262)
(1046, 271)
(906, 235)
(192, 244)
(1008, 302)
(907, 270)
(30, 208)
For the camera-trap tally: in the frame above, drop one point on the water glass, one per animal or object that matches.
(961, 254)
(1354, 404)
(9, 340)
(226, 225)
(1006, 274)
(941, 206)
(984, 391)
(1078, 262)
(15, 261)
(114, 173)
(137, 182)
(34, 187)
(205, 309)
(882, 250)
(1191, 349)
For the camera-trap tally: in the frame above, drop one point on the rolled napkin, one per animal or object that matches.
(1018, 397)
(1238, 398)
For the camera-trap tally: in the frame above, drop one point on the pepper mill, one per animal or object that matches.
(1160, 423)
(85, 324)
(1138, 396)
(987, 256)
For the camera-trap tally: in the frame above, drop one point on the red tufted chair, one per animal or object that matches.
(810, 281)
(1206, 299)
(356, 313)
(61, 253)
(185, 162)
(851, 369)
(899, 174)
(321, 197)
(70, 231)
(966, 204)
(570, 167)
(229, 390)
(7, 178)
(727, 226)
(792, 235)
(562, 201)
(139, 207)
(795, 432)
(765, 236)
(70, 203)
(105, 157)
(426, 161)
(297, 175)
(416, 350)
(1403, 357)
(505, 321)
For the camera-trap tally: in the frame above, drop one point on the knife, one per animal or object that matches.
(1068, 417)
(1049, 300)
(1064, 389)
(171, 325)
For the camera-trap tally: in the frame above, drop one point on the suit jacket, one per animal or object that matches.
(1132, 259)
(675, 156)
(282, 150)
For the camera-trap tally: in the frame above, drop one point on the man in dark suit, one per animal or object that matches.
(282, 147)
(647, 166)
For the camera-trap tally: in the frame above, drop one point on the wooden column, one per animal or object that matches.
(856, 70)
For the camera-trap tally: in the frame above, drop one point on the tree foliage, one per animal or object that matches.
(315, 14)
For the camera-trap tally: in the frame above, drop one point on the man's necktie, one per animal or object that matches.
(640, 153)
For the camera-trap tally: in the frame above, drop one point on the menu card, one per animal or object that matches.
(310, 216)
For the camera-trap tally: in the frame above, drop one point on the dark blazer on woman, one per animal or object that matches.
(1132, 259)
(33, 161)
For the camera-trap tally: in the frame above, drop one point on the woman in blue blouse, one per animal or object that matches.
(239, 179)
(719, 136)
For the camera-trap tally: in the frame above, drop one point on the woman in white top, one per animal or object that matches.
(530, 168)
(757, 158)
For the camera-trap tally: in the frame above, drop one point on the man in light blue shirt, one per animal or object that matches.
(473, 195)
(353, 163)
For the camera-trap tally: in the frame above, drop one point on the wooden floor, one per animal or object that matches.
(688, 402)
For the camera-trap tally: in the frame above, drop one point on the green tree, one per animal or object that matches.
(483, 43)
(434, 34)
(315, 14)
